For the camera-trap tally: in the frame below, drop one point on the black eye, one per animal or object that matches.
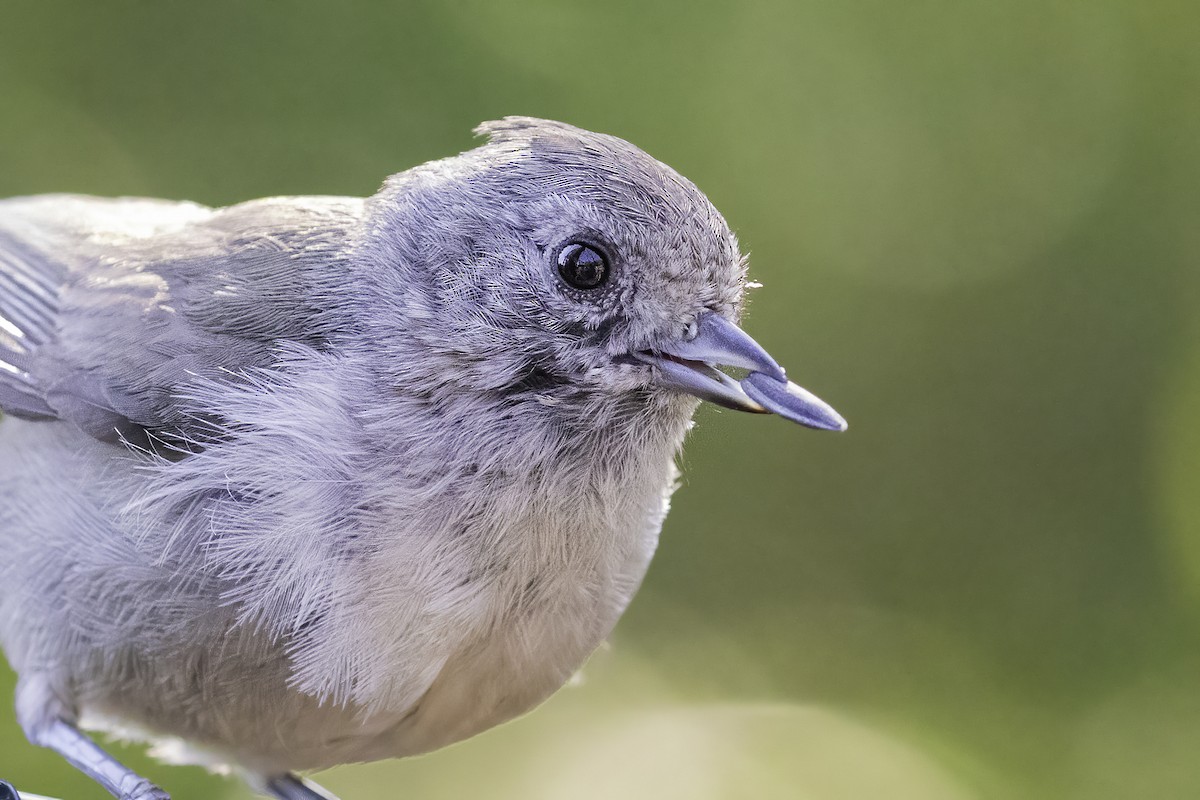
(582, 266)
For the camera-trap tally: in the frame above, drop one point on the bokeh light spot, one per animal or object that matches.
(735, 751)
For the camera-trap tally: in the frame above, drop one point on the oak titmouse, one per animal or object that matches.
(315, 480)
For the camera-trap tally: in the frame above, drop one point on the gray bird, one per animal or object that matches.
(316, 480)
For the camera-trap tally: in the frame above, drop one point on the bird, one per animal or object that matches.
(308, 481)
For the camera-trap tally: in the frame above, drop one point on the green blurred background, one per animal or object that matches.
(977, 226)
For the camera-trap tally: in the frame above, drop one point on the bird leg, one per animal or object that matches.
(86, 756)
(290, 786)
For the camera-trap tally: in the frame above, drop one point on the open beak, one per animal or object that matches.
(691, 366)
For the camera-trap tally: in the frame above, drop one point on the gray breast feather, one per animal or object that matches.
(109, 307)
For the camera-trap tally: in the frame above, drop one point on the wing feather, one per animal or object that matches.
(110, 308)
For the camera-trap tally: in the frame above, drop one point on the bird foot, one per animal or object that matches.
(141, 789)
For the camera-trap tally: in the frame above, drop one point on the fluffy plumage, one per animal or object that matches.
(306, 481)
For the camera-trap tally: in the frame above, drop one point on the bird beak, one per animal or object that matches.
(691, 366)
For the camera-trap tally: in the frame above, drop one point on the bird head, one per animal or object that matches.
(570, 268)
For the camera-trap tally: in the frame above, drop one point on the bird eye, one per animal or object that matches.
(582, 266)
